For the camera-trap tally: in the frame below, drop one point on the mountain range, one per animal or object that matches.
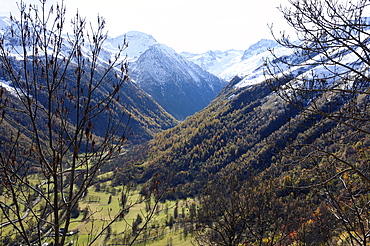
(164, 87)
(181, 84)
(225, 125)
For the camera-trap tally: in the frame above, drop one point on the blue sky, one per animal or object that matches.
(191, 25)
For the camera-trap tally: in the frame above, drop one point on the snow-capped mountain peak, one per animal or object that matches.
(138, 43)
(258, 48)
(177, 84)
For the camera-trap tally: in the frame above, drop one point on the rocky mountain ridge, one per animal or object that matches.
(178, 85)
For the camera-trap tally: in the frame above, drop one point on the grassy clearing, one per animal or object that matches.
(100, 207)
(103, 205)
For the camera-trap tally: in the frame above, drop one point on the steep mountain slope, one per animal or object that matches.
(229, 134)
(179, 86)
(147, 117)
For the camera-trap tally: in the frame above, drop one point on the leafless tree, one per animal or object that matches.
(326, 78)
(61, 120)
(332, 43)
(235, 212)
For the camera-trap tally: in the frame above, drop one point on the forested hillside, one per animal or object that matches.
(241, 129)
(281, 155)
(252, 135)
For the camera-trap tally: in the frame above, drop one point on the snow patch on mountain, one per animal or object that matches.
(5, 23)
(6, 85)
(307, 68)
(332, 74)
(251, 65)
(215, 62)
